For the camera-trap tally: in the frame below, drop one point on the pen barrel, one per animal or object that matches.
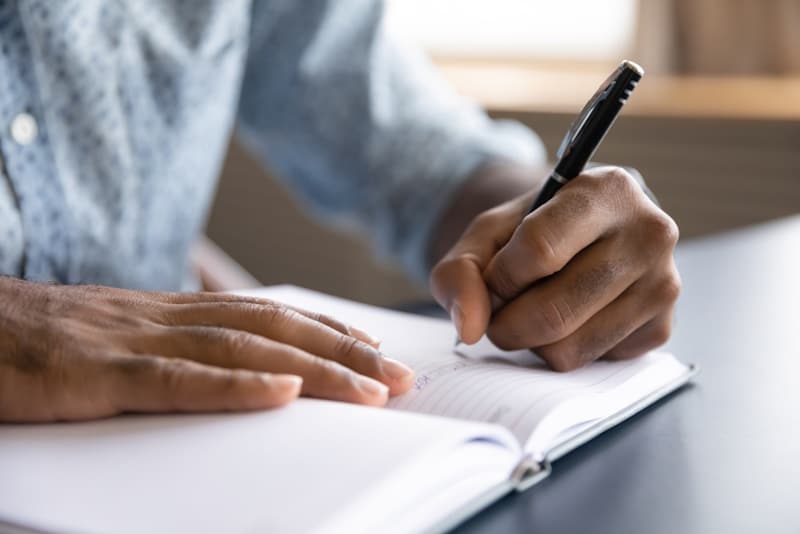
(591, 126)
(585, 146)
(597, 124)
(551, 186)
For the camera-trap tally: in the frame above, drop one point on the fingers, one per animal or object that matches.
(149, 302)
(637, 321)
(651, 335)
(322, 378)
(580, 280)
(291, 327)
(457, 281)
(546, 240)
(158, 384)
(241, 332)
(556, 307)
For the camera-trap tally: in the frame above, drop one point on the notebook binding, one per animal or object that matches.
(529, 472)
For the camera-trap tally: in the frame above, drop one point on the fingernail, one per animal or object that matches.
(395, 369)
(457, 315)
(372, 387)
(363, 336)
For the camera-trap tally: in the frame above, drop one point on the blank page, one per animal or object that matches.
(295, 469)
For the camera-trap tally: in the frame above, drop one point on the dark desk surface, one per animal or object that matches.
(722, 455)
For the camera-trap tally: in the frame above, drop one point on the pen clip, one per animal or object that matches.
(576, 127)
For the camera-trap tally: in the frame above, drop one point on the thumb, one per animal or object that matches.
(457, 281)
(457, 285)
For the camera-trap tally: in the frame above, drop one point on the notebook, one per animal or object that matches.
(477, 424)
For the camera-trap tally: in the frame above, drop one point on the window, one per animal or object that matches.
(580, 30)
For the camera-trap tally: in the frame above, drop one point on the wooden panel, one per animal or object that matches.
(709, 174)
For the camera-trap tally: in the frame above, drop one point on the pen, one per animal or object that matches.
(589, 129)
(587, 132)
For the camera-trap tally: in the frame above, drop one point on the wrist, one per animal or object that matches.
(491, 184)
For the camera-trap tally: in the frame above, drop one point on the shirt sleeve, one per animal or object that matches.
(361, 125)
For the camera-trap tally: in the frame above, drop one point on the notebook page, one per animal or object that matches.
(289, 470)
(513, 389)
(520, 397)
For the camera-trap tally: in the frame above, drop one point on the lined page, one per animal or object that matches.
(515, 396)
(480, 383)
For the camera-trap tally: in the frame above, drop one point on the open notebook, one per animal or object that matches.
(476, 425)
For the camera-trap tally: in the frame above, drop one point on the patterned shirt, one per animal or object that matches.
(115, 117)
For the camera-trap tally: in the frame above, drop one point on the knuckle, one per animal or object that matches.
(542, 249)
(171, 374)
(480, 225)
(227, 342)
(669, 289)
(619, 180)
(660, 230)
(485, 218)
(248, 308)
(502, 281)
(636, 174)
(554, 319)
(330, 322)
(276, 316)
(166, 315)
(228, 387)
(346, 348)
(235, 341)
(324, 371)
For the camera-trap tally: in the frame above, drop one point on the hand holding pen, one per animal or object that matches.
(583, 274)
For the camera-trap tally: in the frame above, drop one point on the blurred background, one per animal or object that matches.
(714, 127)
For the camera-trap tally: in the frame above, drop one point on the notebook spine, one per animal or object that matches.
(529, 472)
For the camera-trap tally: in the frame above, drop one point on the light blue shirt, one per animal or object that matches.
(115, 117)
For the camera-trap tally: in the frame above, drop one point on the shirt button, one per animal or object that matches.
(24, 129)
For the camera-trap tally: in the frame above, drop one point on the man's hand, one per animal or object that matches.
(590, 274)
(83, 352)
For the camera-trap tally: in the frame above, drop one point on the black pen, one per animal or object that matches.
(589, 129)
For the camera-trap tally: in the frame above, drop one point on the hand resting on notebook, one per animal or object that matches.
(589, 274)
(83, 352)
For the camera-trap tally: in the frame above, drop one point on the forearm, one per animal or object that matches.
(490, 185)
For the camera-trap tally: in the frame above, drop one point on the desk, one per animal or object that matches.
(722, 455)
